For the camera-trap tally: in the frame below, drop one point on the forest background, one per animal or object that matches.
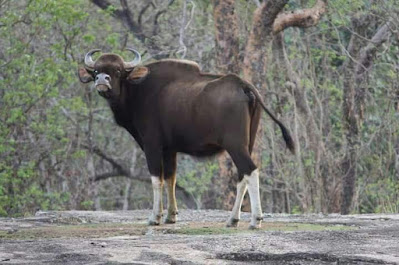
(328, 70)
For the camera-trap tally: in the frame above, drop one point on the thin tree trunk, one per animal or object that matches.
(91, 169)
(313, 133)
(351, 121)
(126, 194)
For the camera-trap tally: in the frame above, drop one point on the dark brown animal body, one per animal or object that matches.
(170, 106)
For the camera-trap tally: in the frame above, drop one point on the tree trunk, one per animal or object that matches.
(226, 36)
(227, 61)
(267, 21)
(259, 42)
(355, 72)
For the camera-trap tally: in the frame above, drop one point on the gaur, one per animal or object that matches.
(170, 106)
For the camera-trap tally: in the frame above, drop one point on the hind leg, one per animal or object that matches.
(236, 212)
(254, 196)
(250, 180)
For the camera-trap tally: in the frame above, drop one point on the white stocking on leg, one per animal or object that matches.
(157, 184)
(253, 190)
(236, 212)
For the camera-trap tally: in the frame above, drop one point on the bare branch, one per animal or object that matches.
(156, 24)
(144, 10)
(107, 175)
(301, 18)
(157, 15)
(367, 53)
(366, 57)
(119, 168)
(125, 15)
(182, 46)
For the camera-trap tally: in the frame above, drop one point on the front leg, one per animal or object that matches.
(169, 173)
(157, 185)
(171, 218)
(154, 161)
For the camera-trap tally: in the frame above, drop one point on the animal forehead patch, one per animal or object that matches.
(109, 59)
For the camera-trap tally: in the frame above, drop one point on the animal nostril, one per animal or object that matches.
(107, 78)
(96, 78)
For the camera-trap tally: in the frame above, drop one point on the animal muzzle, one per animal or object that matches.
(102, 82)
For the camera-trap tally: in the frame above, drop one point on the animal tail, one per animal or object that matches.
(286, 134)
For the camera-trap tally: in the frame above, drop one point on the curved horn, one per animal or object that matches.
(89, 63)
(129, 65)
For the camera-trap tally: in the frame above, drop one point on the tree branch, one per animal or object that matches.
(125, 15)
(365, 61)
(301, 18)
(367, 53)
(107, 175)
(143, 11)
(120, 170)
(103, 4)
(155, 28)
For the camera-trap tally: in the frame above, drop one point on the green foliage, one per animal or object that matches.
(197, 180)
(381, 197)
(87, 205)
(342, 9)
(31, 127)
(20, 194)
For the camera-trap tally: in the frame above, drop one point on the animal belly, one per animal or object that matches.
(203, 151)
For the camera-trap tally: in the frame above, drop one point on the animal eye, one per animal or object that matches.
(95, 72)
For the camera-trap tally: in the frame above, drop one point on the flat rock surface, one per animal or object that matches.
(199, 237)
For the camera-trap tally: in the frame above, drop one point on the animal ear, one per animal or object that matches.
(138, 74)
(84, 75)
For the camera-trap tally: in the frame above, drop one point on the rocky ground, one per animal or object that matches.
(199, 237)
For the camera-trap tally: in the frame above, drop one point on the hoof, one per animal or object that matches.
(254, 227)
(232, 222)
(155, 220)
(152, 222)
(256, 223)
(171, 218)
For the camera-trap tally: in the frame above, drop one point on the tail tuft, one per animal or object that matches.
(288, 139)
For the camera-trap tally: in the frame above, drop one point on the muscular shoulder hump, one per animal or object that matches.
(179, 63)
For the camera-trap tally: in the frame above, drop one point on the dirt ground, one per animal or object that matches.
(199, 237)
